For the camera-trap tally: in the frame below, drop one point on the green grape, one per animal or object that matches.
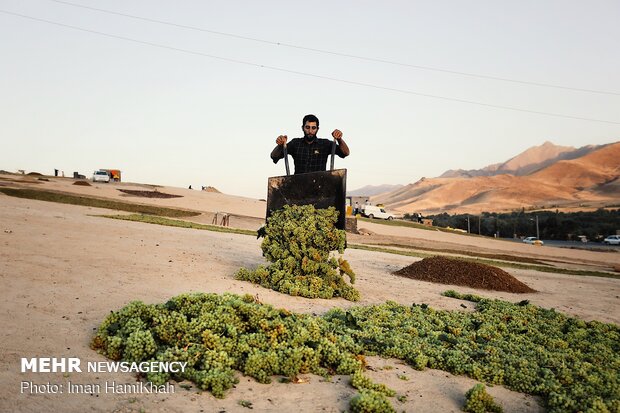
(572, 364)
(360, 382)
(370, 401)
(298, 243)
(477, 400)
(139, 346)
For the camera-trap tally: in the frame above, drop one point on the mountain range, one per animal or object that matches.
(370, 190)
(545, 176)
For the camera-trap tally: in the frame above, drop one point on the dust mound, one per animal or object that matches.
(210, 189)
(149, 194)
(459, 272)
(34, 174)
(82, 183)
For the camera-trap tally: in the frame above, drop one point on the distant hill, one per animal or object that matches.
(371, 190)
(210, 189)
(531, 160)
(542, 176)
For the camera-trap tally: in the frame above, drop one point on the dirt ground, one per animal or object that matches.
(62, 269)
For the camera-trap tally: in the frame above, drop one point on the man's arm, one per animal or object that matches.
(341, 143)
(278, 152)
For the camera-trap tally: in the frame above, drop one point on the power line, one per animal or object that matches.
(351, 82)
(365, 58)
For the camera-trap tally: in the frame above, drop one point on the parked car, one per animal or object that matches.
(372, 211)
(101, 176)
(612, 240)
(533, 241)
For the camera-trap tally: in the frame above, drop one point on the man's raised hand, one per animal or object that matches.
(281, 140)
(337, 134)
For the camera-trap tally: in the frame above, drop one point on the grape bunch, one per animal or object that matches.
(477, 400)
(371, 401)
(360, 382)
(139, 346)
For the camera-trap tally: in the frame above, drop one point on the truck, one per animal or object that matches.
(372, 211)
(115, 174)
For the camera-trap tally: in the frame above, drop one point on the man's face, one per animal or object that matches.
(310, 129)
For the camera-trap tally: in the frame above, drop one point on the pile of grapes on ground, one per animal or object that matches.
(572, 364)
(298, 242)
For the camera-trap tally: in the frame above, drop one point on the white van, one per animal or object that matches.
(372, 211)
(101, 176)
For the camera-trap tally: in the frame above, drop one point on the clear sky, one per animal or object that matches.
(146, 97)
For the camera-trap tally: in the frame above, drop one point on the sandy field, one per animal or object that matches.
(63, 268)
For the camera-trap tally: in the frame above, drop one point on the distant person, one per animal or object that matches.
(356, 210)
(190, 187)
(310, 153)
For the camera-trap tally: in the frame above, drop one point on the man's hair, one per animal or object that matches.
(310, 118)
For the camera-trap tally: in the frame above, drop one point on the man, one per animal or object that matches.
(310, 153)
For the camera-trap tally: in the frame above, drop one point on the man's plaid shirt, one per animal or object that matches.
(310, 157)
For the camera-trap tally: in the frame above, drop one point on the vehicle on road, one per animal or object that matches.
(101, 176)
(371, 211)
(612, 240)
(533, 241)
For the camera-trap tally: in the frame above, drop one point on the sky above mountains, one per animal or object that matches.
(196, 92)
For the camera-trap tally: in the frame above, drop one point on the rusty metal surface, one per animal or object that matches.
(321, 189)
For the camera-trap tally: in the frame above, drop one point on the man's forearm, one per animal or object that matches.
(343, 147)
(277, 153)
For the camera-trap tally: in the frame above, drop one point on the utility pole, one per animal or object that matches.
(514, 229)
(496, 226)
(468, 229)
(479, 225)
(537, 231)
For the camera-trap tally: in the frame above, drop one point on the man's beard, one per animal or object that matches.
(309, 138)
